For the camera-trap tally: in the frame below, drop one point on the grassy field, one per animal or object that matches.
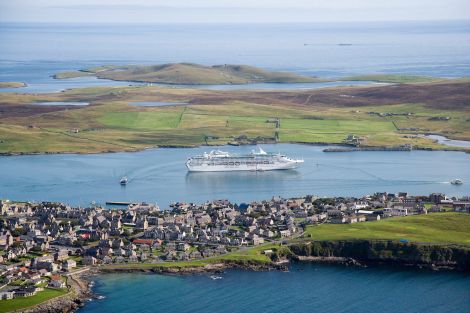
(22, 303)
(109, 123)
(431, 228)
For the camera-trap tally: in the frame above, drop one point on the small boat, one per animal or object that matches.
(123, 181)
(213, 277)
(456, 181)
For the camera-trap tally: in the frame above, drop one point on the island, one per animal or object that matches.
(189, 74)
(49, 249)
(12, 84)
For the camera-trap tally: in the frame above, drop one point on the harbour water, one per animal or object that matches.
(305, 288)
(160, 175)
(450, 142)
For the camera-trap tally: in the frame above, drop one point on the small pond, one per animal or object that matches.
(61, 103)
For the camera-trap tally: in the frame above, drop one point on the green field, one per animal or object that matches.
(22, 303)
(109, 123)
(445, 228)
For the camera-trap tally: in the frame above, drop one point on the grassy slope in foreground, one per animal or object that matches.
(12, 84)
(188, 73)
(393, 78)
(449, 228)
(23, 303)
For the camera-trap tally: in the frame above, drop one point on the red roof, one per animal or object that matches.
(55, 277)
(143, 241)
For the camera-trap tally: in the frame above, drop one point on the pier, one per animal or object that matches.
(123, 203)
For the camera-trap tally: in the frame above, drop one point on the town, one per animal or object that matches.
(41, 244)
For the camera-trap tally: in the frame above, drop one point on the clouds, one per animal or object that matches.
(177, 11)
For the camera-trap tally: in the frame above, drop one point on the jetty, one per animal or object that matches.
(351, 149)
(123, 203)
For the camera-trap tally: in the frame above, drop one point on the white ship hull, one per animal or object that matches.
(219, 161)
(242, 167)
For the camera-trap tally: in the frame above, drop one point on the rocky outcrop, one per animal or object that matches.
(63, 304)
(182, 270)
(387, 252)
(70, 302)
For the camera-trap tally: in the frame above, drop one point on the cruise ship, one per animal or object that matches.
(220, 161)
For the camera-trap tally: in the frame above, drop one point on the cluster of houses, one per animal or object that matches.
(41, 241)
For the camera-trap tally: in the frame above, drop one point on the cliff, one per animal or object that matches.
(387, 252)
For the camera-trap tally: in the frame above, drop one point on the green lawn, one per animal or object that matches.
(142, 120)
(22, 303)
(431, 228)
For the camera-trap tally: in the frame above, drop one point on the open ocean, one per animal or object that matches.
(33, 52)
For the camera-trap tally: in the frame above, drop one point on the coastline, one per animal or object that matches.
(336, 147)
(81, 284)
(79, 292)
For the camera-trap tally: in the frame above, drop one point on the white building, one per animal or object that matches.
(396, 211)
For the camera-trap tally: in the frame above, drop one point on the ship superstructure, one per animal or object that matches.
(220, 161)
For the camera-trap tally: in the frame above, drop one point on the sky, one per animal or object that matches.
(230, 11)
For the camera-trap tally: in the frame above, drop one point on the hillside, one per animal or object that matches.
(381, 116)
(189, 73)
(432, 228)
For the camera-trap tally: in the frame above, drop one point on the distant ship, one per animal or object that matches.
(123, 181)
(456, 181)
(220, 161)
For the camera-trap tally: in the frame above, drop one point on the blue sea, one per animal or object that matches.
(160, 175)
(33, 52)
(305, 288)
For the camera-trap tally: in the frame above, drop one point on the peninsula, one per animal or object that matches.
(189, 74)
(48, 246)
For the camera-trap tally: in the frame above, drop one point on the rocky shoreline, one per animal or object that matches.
(347, 148)
(209, 268)
(80, 292)
(81, 284)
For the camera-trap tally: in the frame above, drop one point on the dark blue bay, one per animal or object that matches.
(306, 288)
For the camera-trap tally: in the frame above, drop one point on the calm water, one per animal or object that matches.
(449, 142)
(160, 175)
(61, 103)
(306, 288)
(33, 52)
